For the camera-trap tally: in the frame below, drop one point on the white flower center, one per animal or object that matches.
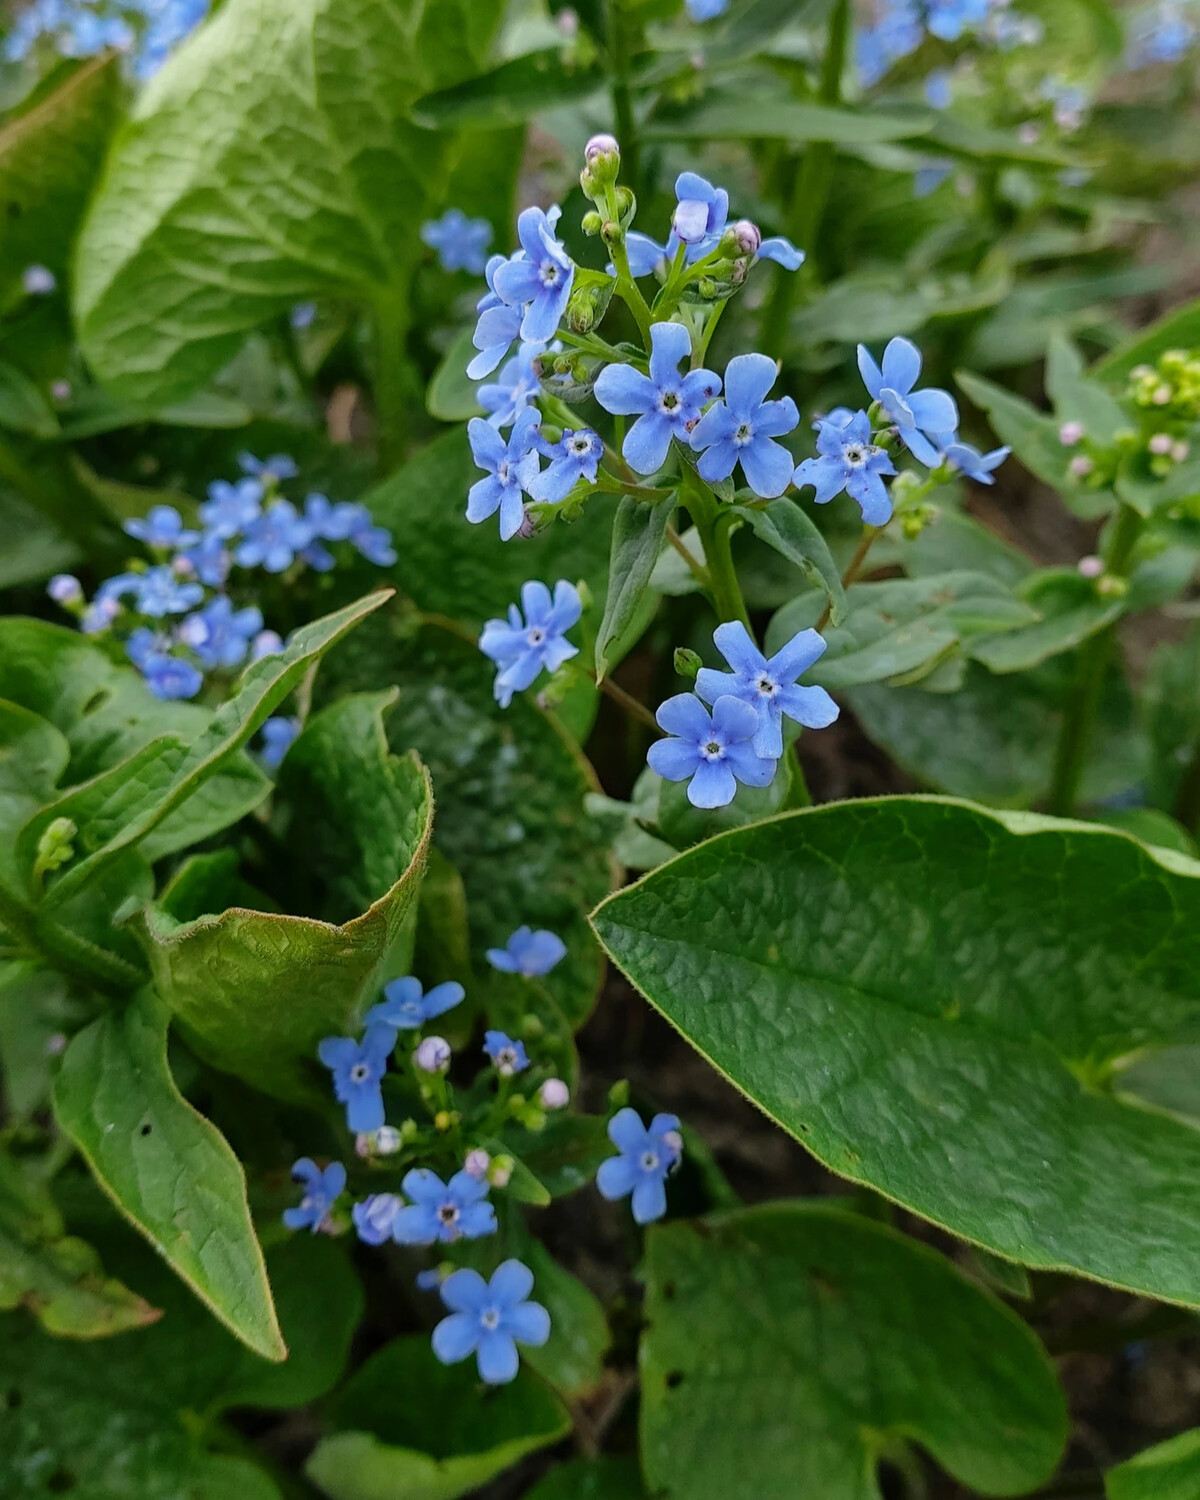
(580, 446)
(855, 455)
(714, 750)
(490, 1318)
(744, 434)
(447, 1213)
(766, 686)
(549, 273)
(535, 635)
(503, 471)
(668, 401)
(648, 1161)
(359, 1073)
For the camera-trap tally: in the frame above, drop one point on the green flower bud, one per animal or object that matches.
(687, 663)
(591, 222)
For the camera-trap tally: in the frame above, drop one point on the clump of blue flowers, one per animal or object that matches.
(489, 1319)
(146, 29)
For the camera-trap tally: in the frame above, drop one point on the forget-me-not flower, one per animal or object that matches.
(209, 560)
(461, 243)
(321, 1190)
(488, 1319)
(706, 10)
(668, 404)
(273, 539)
(647, 1154)
(516, 387)
(575, 456)
(371, 541)
(539, 279)
(231, 508)
(170, 676)
(443, 1211)
(528, 952)
(712, 751)
(161, 526)
(948, 19)
(497, 327)
(768, 684)
(157, 592)
(701, 213)
(219, 634)
(975, 465)
(849, 461)
(278, 467)
(358, 1069)
(330, 522)
(277, 736)
(524, 646)
(375, 1216)
(645, 255)
(407, 1007)
(508, 1057)
(925, 420)
(511, 469)
(741, 429)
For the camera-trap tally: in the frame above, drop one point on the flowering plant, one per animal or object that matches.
(523, 523)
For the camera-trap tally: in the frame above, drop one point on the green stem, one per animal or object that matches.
(811, 190)
(622, 96)
(627, 701)
(853, 568)
(1074, 741)
(723, 586)
(393, 378)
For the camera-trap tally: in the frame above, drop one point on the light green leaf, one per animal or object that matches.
(637, 539)
(1071, 611)
(762, 116)
(1169, 1471)
(23, 408)
(451, 396)
(809, 1328)
(934, 1000)
(255, 991)
(272, 158)
(565, 1155)
(790, 531)
(420, 1429)
(1179, 329)
(37, 1009)
(169, 1170)
(1076, 398)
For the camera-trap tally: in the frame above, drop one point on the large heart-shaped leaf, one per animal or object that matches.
(936, 1000)
(166, 1167)
(271, 159)
(810, 1328)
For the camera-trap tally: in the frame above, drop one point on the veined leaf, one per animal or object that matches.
(637, 539)
(791, 532)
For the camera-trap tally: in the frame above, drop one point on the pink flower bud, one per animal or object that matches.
(601, 145)
(433, 1055)
(554, 1094)
(1070, 433)
(1160, 443)
(60, 390)
(1089, 567)
(1080, 466)
(1179, 451)
(500, 1172)
(748, 236)
(477, 1162)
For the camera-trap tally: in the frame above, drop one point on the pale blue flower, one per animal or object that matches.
(209, 560)
(768, 684)
(169, 676)
(975, 465)
(706, 10)
(511, 469)
(219, 634)
(666, 402)
(358, 1069)
(498, 325)
(279, 466)
(575, 457)
(231, 508)
(407, 1007)
(161, 527)
(158, 592)
(508, 1057)
(321, 1191)
(647, 1154)
(539, 278)
(849, 461)
(741, 429)
(375, 1217)
(517, 386)
(443, 1211)
(272, 541)
(925, 420)
(488, 1319)
(711, 751)
(527, 952)
(461, 243)
(278, 734)
(523, 647)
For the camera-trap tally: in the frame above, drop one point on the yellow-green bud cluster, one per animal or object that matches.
(1171, 385)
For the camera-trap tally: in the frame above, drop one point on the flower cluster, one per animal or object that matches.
(528, 643)
(1163, 33)
(461, 244)
(898, 27)
(148, 29)
(175, 616)
(1163, 400)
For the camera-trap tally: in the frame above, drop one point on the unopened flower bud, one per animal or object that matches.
(1160, 443)
(476, 1162)
(527, 528)
(747, 237)
(1070, 433)
(65, 589)
(387, 1141)
(626, 203)
(60, 390)
(1080, 466)
(362, 1144)
(38, 281)
(1089, 567)
(567, 22)
(591, 222)
(1179, 451)
(1111, 586)
(673, 1141)
(600, 145)
(56, 1044)
(554, 1094)
(500, 1172)
(1162, 395)
(265, 643)
(687, 662)
(433, 1055)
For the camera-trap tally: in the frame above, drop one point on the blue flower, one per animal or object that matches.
(523, 647)
(231, 508)
(277, 735)
(321, 1190)
(712, 751)
(488, 1320)
(925, 419)
(358, 1068)
(508, 1057)
(516, 387)
(740, 429)
(511, 469)
(162, 526)
(443, 1211)
(220, 635)
(170, 21)
(374, 543)
(939, 89)
(539, 280)
(668, 403)
(929, 178)
(334, 523)
(706, 10)
(498, 325)
(898, 32)
(375, 1217)
(157, 592)
(645, 255)
(170, 677)
(849, 461)
(209, 560)
(461, 243)
(768, 684)
(782, 252)
(529, 953)
(575, 456)
(272, 541)
(646, 1156)
(279, 466)
(948, 19)
(701, 213)
(975, 465)
(407, 1008)
(303, 315)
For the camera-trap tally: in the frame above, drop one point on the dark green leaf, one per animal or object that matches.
(637, 539)
(451, 396)
(23, 408)
(605, 1478)
(513, 92)
(1076, 398)
(1071, 611)
(789, 530)
(809, 1328)
(963, 983)
(1170, 1471)
(169, 1170)
(1179, 329)
(760, 116)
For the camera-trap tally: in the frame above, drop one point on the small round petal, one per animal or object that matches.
(767, 466)
(797, 655)
(466, 1291)
(626, 1131)
(871, 374)
(735, 720)
(810, 706)
(748, 378)
(624, 391)
(455, 1337)
(713, 785)
(686, 716)
(616, 1178)
(673, 759)
(424, 1186)
(669, 344)
(648, 442)
(528, 1323)
(934, 410)
(511, 1283)
(649, 1200)
(497, 1358)
(901, 365)
(750, 768)
(782, 252)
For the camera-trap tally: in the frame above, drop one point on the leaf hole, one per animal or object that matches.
(146, 1128)
(674, 1379)
(97, 700)
(60, 1481)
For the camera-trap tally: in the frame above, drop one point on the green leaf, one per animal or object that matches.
(452, 394)
(525, 1009)
(423, 505)
(638, 536)
(420, 1429)
(1171, 706)
(993, 738)
(60, 1279)
(271, 159)
(765, 1321)
(1032, 435)
(1075, 397)
(262, 687)
(1179, 329)
(509, 787)
(960, 982)
(565, 1155)
(50, 156)
(37, 1009)
(790, 531)
(606, 1478)
(1071, 611)
(761, 116)
(169, 1170)
(255, 991)
(1169, 1471)
(23, 408)
(511, 93)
